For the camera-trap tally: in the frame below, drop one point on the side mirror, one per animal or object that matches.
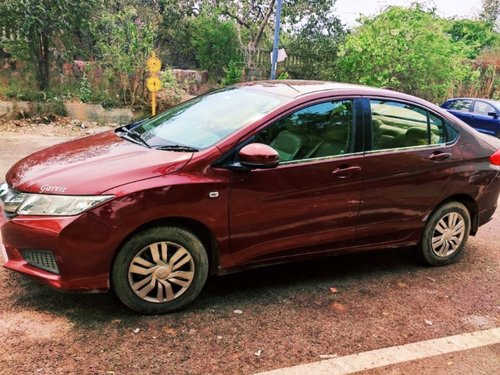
(493, 114)
(259, 156)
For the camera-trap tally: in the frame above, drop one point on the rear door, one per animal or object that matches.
(407, 168)
(482, 119)
(309, 203)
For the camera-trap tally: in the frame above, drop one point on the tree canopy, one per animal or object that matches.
(411, 49)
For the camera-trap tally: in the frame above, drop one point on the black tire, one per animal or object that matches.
(169, 241)
(444, 214)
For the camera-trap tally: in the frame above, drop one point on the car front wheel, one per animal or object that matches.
(160, 270)
(445, 234)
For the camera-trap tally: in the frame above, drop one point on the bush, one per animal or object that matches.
(85, 91)
(215, 43)
(234, 74)
(404, 48)
(284, 75)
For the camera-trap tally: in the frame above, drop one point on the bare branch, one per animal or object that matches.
(264, 23)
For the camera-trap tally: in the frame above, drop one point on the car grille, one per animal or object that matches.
(42, 259)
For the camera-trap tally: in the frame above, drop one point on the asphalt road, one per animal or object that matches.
(289, 314)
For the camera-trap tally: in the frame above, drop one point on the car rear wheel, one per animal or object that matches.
(160, 270)
(445, 234)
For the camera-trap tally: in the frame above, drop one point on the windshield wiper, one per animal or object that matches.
(133, 136)
(181, 148)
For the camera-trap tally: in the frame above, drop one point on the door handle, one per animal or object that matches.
(440, 156)
(345, 171)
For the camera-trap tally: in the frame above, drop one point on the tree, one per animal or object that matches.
(174, 36)
(255, 20)
(124, 41)
(475, 36)
(404, 48)
(214, 42)
(40, 25)
(491, 11)
(315, 43)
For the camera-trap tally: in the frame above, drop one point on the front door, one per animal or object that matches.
(310, 202)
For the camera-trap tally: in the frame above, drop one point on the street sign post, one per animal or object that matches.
(274, 60)
(153, 83)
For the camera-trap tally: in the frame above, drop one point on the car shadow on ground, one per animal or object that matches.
(254, 287)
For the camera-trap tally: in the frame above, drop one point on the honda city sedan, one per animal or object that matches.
(250, 175)
(481, 114)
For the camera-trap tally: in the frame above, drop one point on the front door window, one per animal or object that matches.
(321, 130)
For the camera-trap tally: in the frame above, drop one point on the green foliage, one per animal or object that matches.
(409, 49)
(37, 26)
(234, 74)
(168, 80)
(85, 91)
(403, 48)
(215, 43)
(174, 36)
(124, 41)
(474, 36)
(284, 76)
(49, 108)
(316, 44)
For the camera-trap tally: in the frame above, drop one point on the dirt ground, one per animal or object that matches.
(50, 126)
(289, 313)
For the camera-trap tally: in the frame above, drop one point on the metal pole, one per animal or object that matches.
(274, 62)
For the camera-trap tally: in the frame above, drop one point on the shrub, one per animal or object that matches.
(234, 74)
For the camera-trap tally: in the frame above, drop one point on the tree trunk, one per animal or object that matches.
(46, 62)
(39, 47)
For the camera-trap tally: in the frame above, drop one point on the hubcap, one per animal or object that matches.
(448, 234)
(161, 272)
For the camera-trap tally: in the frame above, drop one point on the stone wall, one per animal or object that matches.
(194, 82)
(96, 113)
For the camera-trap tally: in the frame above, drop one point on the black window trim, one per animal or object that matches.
(229, 159)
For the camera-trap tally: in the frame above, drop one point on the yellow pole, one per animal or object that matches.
(153, 103)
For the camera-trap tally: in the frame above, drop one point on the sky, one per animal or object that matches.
(349, 10)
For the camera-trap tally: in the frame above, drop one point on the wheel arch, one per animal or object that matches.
(468, 202)
(199, 229)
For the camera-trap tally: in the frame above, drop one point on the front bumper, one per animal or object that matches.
(82, 246)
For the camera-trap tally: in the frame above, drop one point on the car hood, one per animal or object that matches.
(91, 165)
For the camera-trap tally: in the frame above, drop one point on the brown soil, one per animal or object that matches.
(50, 126)
(290, 314)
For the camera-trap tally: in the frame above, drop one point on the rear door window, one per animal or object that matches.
(400, 125)
(462, 105)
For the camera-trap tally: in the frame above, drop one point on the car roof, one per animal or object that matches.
(297, 88)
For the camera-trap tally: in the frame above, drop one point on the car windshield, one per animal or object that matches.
(205, 120)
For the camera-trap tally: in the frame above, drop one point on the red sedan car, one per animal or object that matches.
(259, 173)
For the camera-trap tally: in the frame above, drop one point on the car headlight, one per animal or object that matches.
(45, 204)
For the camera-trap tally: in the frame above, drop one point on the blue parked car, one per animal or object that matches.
(481, 114)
